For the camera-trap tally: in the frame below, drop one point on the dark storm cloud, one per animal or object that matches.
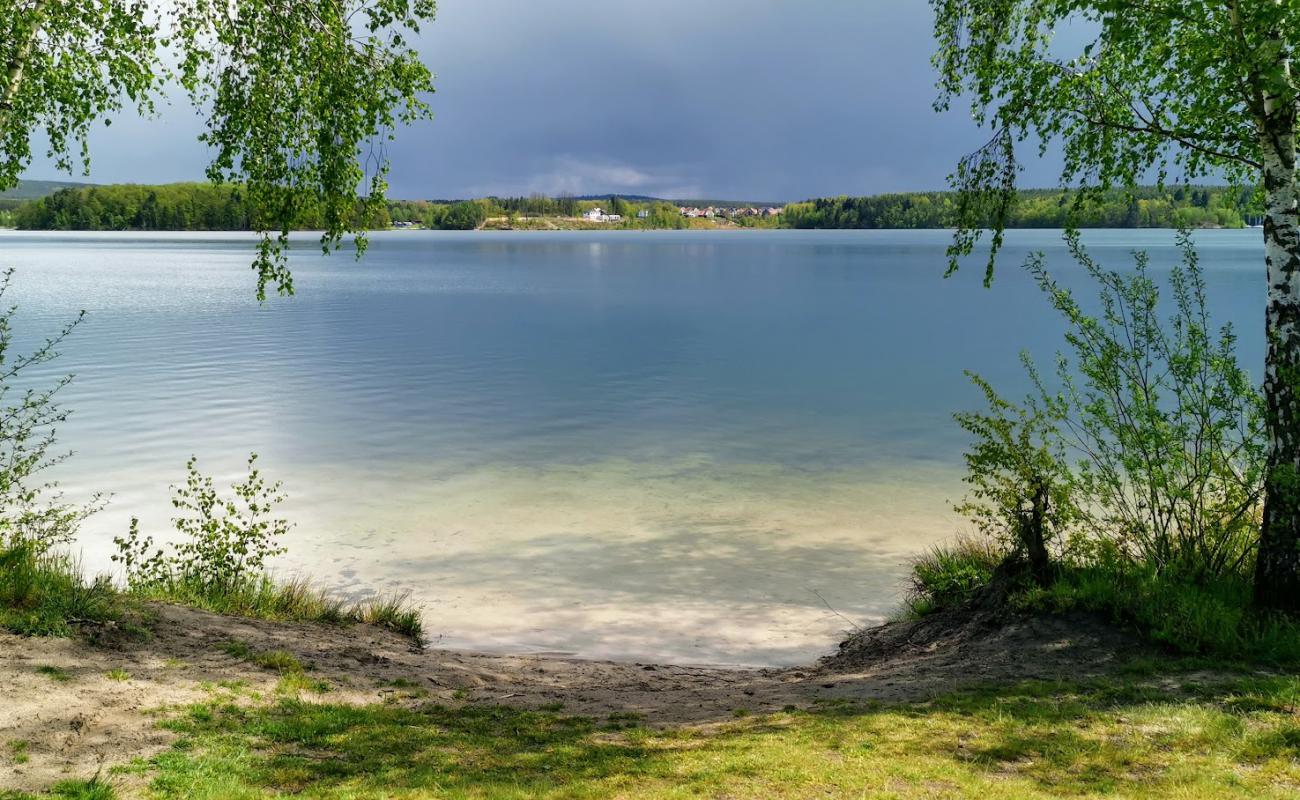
(760, 99)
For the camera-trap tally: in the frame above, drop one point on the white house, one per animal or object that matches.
(598, 214)
(643, 214)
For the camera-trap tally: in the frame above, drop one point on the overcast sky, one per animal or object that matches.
(742, 99)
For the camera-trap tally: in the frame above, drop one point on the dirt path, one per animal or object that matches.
(77, 707)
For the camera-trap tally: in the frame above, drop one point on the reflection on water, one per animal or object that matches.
(681, 446)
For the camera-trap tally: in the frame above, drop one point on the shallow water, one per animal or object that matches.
(680, 445)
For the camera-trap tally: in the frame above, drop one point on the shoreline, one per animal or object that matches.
(87, 704)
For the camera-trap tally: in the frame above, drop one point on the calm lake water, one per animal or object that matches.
(677, 445)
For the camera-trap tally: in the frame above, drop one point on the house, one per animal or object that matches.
(643, 214)
(598, 214)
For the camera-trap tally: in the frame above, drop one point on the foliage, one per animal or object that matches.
(221, 561)
(1163, 426)
(464, 216)
(174, 206)
(1148, 440)
(1231, 736)
(226, 541)
(1140, 207)
(42, 590)
(1114, 93)
(300, 97)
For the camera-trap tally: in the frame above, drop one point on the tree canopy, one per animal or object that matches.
(300, 96)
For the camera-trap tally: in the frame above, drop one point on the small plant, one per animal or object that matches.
(18, 750)
(949, 574)
(225, 543)
(54, 673)
(118, 675)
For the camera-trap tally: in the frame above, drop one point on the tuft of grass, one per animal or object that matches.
(296, 682)
(948, 574)
(118, 675)
(18, 751)
(295, 600)
(46, 594)
(54, 673)
(394, 612)
(281, 661)
(1213, 617)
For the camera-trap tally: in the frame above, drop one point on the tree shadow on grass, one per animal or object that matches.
(1027, 740)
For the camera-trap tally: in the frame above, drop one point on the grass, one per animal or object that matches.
(68, 790)
(281, 661)
(118, 675)
(48, 595)
(1236, 738)
(54, 673)
(294, 600)
(947, 574)
(1213, 618)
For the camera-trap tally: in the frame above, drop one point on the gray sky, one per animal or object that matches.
(744, 99)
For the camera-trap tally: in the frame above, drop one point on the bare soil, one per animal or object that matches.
(74, 727)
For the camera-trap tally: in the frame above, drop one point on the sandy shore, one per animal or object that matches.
(81, 707)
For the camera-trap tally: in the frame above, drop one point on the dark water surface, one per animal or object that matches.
(667, 445)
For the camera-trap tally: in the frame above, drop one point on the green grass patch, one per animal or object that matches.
(1238, 738)
(295, 600)
(948, 574)
(118, 675)
(47, 594)
(281, 661)
(1214, 618)
(54, 673)
(95, 789)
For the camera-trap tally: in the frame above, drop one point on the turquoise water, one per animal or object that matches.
(673, 445)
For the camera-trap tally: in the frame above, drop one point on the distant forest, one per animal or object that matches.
(201, 206)
(1145, 207)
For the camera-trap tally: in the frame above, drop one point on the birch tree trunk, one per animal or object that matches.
(1277, 571)
(16, 68)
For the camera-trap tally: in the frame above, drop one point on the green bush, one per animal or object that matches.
(1140, 459)
(220, 562)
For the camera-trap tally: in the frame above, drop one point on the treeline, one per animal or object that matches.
(167, 207)
(1146, 207)
(203, 206)
(209, 207)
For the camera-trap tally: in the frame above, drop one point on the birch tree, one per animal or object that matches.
(300, 96)
(1133, 89)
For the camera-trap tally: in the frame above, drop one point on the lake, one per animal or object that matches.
(712, 447)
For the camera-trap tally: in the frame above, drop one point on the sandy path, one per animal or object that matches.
(74, 727)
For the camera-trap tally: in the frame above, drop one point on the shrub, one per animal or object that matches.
(42, 590)
(1140, 458)
(1147, 442)
(220, 563)
(226, 540)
